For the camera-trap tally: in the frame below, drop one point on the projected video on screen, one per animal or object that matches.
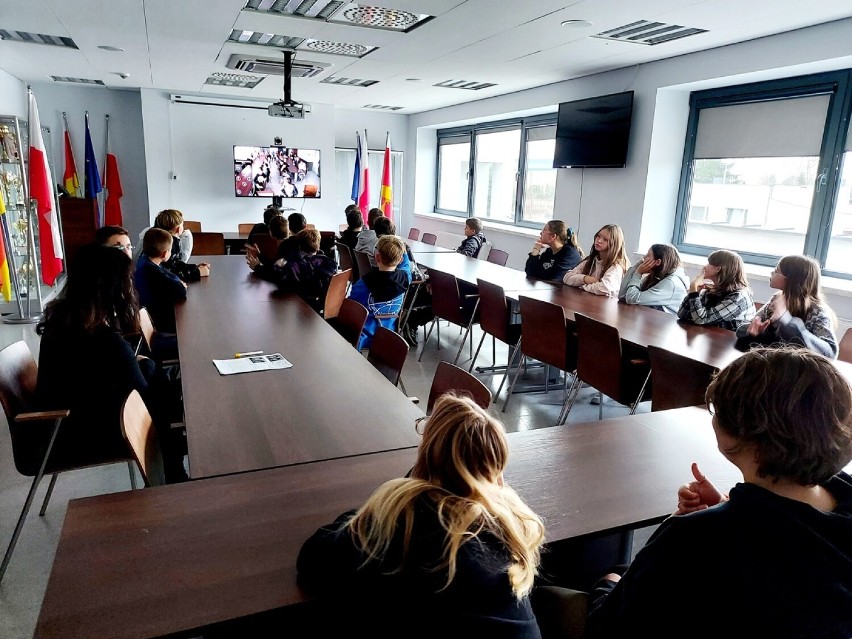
(267, 171)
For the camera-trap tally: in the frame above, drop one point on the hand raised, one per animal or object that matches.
(646, 265)
(697, 495)
(757, 326)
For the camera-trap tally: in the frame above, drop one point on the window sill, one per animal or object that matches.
(488, 225)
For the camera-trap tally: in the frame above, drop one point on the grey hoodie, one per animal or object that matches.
(666, 295)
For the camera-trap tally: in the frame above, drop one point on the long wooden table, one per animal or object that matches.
(469, 269)
(157, 561)
(331, 403)
(417, 246)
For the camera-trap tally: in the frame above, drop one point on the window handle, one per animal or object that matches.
(822, 178)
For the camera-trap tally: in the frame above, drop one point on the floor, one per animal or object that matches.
(23, 586)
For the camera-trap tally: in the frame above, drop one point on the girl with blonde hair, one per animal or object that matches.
(602, 271)
(797, 314)
(449, 549)
(727, 301)
(555, 252)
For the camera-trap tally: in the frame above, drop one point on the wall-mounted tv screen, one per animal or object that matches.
(593, 132)
(268, 171)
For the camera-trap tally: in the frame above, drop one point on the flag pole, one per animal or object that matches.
(101, 211)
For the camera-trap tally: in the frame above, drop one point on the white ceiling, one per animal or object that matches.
(174, 45)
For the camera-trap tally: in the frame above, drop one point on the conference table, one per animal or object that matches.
(469, 269)
(331, 403)
(157, 561)
(417, 246)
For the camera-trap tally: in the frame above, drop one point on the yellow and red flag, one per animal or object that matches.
(386, 202)
(70, 180)
(5, 279)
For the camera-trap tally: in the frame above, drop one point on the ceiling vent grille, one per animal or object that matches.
(382, 106)
(342, 13)
(338, 48)
(465, 84)
(61, 78)
(265, 39)
(650, 33)
(352, 82)
(37, 38)
(234, 80)
(265, 66)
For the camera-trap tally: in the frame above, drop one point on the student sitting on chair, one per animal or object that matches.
(367, 237)
(279, 230)
(158, 288)
(307, 274)
(774, 557)
(385, 226)
(262, 228)
(474, 239)
(450, 550)
(171, 220)
(355, 224)
(115, 237)
(382, 291)
(555, 253)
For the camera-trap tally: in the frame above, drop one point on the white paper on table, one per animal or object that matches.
(274, 361)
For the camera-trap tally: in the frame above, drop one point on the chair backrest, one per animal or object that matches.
(494, 311)
(548, 341)
(452, 378)
(328, 242)
(446, 299)
(138, 430)
(364, 265)
(336, 294)
(245, 229)
(413, 234)
(267, 246)
(599, 355)
(429, 238)
(146, 325)
(678, 381)
(194, 227)
(346, 261)
(496, 256)
(484, 250)
(845, 353)
(388, 352)
(350, 321)
(208, 243)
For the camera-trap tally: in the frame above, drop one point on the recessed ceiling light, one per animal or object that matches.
(576, 24)
(107, 47)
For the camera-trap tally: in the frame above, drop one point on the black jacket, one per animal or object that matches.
(551, 266)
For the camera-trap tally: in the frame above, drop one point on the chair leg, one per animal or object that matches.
(515, 350)
(600, 405)
(47, 495)
(402, 387)
(466, 333)
(576, 385)
(426, 339)
(29, 501)
(639, 396)
(132, 475)
(512, 386)
(473, 360)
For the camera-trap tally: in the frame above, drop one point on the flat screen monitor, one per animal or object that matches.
(593, 132)
(276, 171)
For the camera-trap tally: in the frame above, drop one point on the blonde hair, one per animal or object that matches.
(459, 468)
(565, 234)
(391, 248)
(615, 255)
(802, 288)
(168, 219)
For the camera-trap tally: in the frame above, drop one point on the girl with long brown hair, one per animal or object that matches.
(555, 252)
(658, 281)
(602, 271)
(726, 301)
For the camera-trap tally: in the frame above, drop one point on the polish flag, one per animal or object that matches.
(41, 190)
(364, 183)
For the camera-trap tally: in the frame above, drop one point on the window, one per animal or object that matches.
(501, 171)
(344, 167)
(761, 174)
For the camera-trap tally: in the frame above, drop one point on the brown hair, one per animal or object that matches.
(615, 255)
(309, 241)
(391, 249)
(565, 234)
(168, 219)
(731, 276)
(156, 241)
(279, 228)
(801, 286)
(106, 232)
(474, 224)
(669, 263)
(793, 405)
(384, 226)
(372, 216)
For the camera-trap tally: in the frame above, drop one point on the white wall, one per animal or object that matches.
(13, 96)
(195, 143)
(640, 197)
(125, 124)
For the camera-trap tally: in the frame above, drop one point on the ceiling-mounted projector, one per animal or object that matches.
(287, 108)
(284, 110)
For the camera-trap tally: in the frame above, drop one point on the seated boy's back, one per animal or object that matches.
(382, 291)
(158, 289)
(309, 273)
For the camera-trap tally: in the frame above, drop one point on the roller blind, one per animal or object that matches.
(791, 127)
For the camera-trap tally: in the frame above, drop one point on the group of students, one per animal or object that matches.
(719, 295)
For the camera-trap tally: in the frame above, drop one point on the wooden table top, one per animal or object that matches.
(417, 246)
(331, 403)
(162, 560)
(469, 269)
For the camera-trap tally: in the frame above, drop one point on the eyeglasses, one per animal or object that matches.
(124, 247)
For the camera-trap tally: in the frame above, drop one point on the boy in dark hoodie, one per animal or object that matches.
(382, 291)
(474, 239)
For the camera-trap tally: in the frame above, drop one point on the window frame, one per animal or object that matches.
(470, 132)
(836, 84)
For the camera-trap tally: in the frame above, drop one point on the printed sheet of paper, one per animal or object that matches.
(275, 361)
